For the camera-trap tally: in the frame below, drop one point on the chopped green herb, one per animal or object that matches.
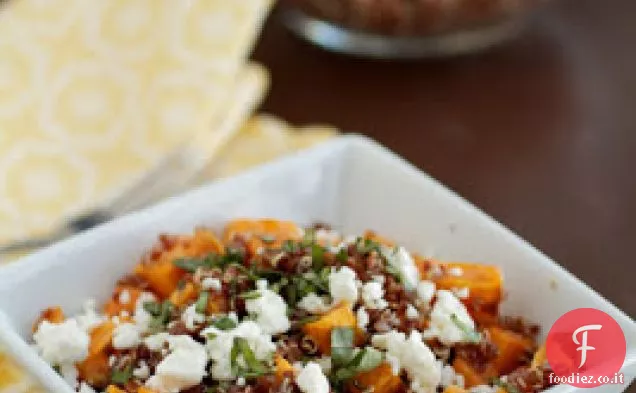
(232, 255)
(317, 256)
(471, 335)
(188, 264)
(224, 323)
(341, 345)
(211, 336)
(255, 368)
(202, 302)
(160, 319)
(289, 246)
(365, 246)
(343, 255)
(153, 308)
(392, 270)
(120, 377)
(250, 295)
(366, 360)
(309, 238)
(181, 284)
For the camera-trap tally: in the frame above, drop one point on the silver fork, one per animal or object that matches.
(174, 173)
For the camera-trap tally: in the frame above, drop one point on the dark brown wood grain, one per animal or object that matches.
(540, 133)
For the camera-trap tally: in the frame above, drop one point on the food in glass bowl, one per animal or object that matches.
(272, 307)
(407, 28)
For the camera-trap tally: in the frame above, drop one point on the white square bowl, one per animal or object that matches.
(351, 183)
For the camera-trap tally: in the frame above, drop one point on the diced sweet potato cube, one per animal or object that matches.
(512, 349)
(115, 389)
(378, 380)
(52, 314)
(484, 282)
(262, 233)
(114, 307)
(95, 369)
(162, 276)
(161, 273)
(185, 295)
(471, 376)
(283, 368)
(320, 330)
(101, 337)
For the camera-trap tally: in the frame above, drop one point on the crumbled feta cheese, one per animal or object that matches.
(344, 243)
(442, 325)
(89, 317)
(232, 315)
(60, 343)
(270, 310)
(240, 381)
(314, 304)
(125, 336)
(373, 296)
(448, 374)
(85, 388)
(462, 293)
(455, 271)
(142, 317)
(219, 345)
(191, 317)
(69, 373)
(411, 312)
(124, 296)
(394, 362)
(342, 285)
(425, 291)
(362, 318)
(414, 356)
(211, 283)
(156, 341)
(142, 371)
(183, 368)
(312, 380)
(325, 364)
(124, 314)
(379, 279)
(111, 360)
(401, 260)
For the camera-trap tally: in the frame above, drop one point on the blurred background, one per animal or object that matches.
(526, 108)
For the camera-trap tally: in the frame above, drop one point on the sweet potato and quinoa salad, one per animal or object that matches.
(274, 308)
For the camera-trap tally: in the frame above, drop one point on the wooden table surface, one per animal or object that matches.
(541, 133)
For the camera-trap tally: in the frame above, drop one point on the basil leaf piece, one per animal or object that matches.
(367, 359)
(341, 345)
(345, 373)
(224, 323)
(202, 302)
(120, 377)
(342, 337)
(248, 355)
(160, 320)
(472, 335)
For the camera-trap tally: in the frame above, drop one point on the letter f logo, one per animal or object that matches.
(583, 344)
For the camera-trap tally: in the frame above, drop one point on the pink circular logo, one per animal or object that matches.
(586, 348)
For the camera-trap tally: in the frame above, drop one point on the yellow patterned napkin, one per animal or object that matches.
(94, 93)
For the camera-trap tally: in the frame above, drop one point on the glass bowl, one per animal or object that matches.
(407, 28)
